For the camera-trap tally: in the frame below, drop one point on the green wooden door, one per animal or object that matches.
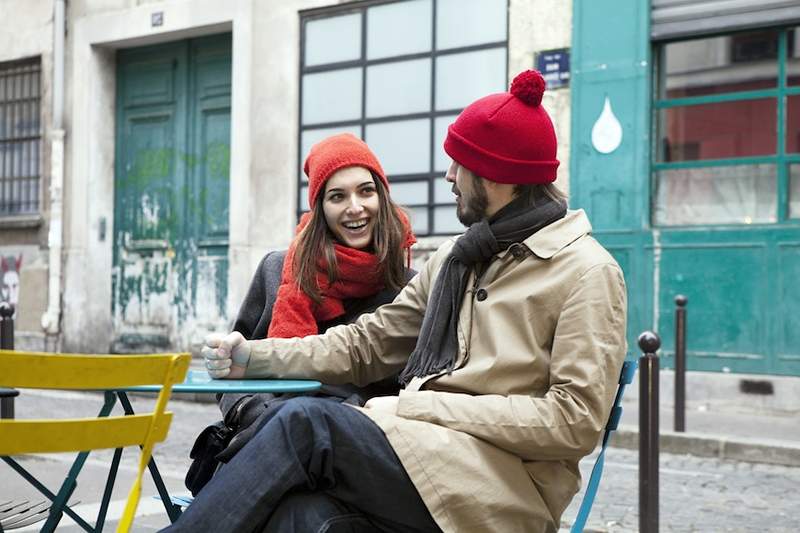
(169, 279)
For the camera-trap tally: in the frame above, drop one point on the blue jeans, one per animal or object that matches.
(315, 466)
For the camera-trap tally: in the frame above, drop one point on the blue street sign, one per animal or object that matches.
(554, 66)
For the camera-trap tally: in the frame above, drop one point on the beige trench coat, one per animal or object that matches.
(495, 445)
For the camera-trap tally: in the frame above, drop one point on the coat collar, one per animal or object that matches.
(549, 240)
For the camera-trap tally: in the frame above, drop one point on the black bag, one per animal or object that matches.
(245, 415)
(211, 441)
(219, 442)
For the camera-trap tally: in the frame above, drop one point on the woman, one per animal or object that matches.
(350, 256)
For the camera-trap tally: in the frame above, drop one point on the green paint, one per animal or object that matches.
(613, 188)
(173, 161)
(740, 279)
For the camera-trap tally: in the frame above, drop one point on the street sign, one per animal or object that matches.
(554, 66)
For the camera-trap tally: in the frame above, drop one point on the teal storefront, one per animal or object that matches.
(686, 154)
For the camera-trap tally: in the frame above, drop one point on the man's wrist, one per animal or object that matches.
(241, 355)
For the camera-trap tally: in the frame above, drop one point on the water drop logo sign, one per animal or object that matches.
(607, 131)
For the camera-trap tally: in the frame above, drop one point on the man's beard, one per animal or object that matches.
(473, 209)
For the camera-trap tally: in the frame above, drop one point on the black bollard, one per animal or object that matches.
(680, 362)
(649, 343)
(7, 343)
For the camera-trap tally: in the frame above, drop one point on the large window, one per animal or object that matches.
(397, 74)
(728, 130)
(20, 137)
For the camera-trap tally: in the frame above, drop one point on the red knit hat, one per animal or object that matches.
(507, 137)
(334, 153)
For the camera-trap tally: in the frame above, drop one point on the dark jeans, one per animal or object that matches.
(315, 466)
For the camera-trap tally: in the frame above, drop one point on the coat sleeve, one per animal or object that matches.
(255, 312)
(588, 351)
(373, 347)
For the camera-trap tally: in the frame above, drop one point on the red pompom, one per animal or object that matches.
(528, 86)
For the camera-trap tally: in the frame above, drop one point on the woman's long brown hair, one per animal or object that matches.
(316, 241)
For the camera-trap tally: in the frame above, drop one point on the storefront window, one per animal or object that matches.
(740, 194)
(793, 60)
(794, 191)
(728, 130)
(719, 131)
(715, 65)
(793, 124)
(397, 74)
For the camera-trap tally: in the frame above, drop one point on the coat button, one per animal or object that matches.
(517, 251)
(481, 295)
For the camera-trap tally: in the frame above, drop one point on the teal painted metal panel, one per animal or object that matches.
(611, 60)
(743, 299)
(171, 191)
(787, 323)
(724, 331)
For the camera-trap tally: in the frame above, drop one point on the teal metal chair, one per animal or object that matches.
(625, 378)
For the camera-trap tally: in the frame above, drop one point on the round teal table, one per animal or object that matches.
(200, 381)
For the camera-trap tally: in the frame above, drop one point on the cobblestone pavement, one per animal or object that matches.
(697, 494)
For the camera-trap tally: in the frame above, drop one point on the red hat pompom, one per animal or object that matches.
(528, 86)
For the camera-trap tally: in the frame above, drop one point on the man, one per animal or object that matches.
(510, 341)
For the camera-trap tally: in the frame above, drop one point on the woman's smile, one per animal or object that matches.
(351, 206)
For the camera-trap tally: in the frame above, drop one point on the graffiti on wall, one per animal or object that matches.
(9, 278)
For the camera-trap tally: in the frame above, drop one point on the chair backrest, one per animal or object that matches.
(91, 372)
(625, 378)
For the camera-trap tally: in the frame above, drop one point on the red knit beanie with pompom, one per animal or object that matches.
(334, 153)
(507, 137)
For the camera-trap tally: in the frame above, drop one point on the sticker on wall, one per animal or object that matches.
(607, 131)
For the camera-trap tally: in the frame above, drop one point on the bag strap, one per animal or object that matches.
(625, 378)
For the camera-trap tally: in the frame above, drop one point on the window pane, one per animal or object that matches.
(741, 62)
(410, 192)
(303, 197)
(446, 221)
(333, 39)
(402, 147)
(397, 29)
(468, 22)
(441, 160)
(443, 191)
(742, 194)
(310, 137)
(399, 88)
(332, 96)
(793, 124)
(793, 63)
(716, 131)
(419, 219)
(463, 78)
(794, 191)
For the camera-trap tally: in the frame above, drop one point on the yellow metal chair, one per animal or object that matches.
(88, 372)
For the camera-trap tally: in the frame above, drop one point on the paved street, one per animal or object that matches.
(697, 494)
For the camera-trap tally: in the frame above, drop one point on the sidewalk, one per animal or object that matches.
(757, 438)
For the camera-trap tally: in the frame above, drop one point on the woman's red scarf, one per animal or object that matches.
(360, 274)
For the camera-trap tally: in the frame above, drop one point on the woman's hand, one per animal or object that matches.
(226, 356)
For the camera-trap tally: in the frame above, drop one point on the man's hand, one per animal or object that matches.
(226, 356)
(383, 404)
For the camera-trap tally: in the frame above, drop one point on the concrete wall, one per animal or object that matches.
(26, 31)
(535, 26)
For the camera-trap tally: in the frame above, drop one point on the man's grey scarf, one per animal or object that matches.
(437, 344)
